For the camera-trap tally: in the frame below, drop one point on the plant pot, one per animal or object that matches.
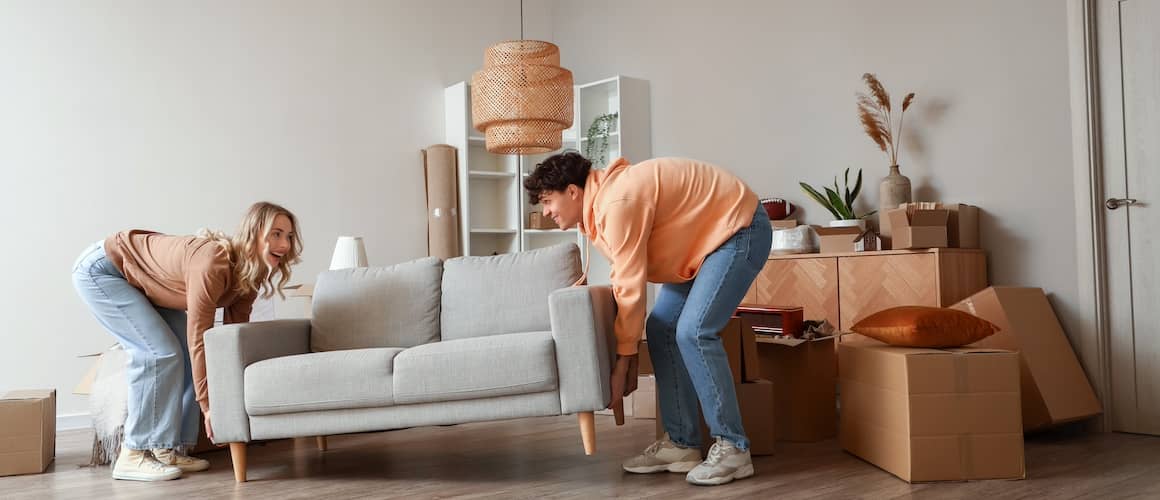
(893, 191)
(859, 223)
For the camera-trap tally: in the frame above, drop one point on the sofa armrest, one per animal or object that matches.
(229, 349)
(582, 319)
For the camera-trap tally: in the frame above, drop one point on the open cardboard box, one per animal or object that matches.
(837, 239)
(804, 376)
(931, 414)
(922, 228)
(1054, 387)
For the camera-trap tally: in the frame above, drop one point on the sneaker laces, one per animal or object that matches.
(654, 448)
(718, 452)
(145, 461)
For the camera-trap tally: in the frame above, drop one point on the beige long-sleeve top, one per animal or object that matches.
(184, 273)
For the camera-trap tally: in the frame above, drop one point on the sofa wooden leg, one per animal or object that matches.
(321, 440)
(588, 431)
(238, 455)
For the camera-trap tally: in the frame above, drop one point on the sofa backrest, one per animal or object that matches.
(394, 306)
(504, 293)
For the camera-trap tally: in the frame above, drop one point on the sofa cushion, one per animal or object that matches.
(504, 293)
(336, 380)
(499, 365)
(396, 306)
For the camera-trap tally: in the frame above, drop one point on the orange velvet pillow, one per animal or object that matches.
(922, 326)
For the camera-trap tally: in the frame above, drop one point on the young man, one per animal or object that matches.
(700, 231)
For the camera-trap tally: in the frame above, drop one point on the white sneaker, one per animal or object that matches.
(138, 465)
(184, 462)
(663, 456)
(725, 463)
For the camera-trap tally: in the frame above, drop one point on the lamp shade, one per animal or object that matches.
(349, 252)
(522, 99)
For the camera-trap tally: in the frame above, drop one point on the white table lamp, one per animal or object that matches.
(349, 252)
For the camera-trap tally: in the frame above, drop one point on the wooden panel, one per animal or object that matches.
(809, 283)
(960, 276)
(872, 283)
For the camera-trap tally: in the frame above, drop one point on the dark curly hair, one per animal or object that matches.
(556, 173)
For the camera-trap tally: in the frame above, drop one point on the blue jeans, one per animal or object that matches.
(163, 411)
(685, 346)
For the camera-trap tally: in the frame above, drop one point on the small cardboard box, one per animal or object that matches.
(932, 414)
(804, 376)
(536, 220)
(755, 400)
(783, 224)
(962, 225)
(27, 431)
(837, 239)
(644, 400)
(741, 350)
(1054, 387)
(925, 228)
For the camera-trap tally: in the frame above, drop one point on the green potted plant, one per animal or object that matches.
(840, 203)
(597, 139)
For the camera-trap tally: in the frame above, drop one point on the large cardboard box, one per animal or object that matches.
(755, 400)
(962, 225)
(1054, 387)
(741, 350)
(27, 431)
(932, 414)
(925, 228)
(837, 239)
(804, 375)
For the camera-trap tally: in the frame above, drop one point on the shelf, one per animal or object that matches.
(550, 231)
(492, 231)
(484, 174)
(610, 136)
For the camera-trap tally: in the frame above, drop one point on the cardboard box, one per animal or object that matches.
(27, 431)
(783, 224)
(932, 414)
(643, 360)
(925, 228)
(962, 225)
(1054, 387)
(644, 400)
(837, 239)
(804, 376)
(536, 220)
(755, 400)
(741, 350)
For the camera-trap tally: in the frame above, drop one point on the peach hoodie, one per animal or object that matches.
(656, 221)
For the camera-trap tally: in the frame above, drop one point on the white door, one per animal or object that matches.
(1129, 62)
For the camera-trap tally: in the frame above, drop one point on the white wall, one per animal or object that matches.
(767, 88)
(178, 115)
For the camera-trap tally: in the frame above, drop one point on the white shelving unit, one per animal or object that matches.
(491, 196)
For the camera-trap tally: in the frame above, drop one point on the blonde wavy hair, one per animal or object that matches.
(247, 250)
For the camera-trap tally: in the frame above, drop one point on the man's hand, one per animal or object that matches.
(624, 375)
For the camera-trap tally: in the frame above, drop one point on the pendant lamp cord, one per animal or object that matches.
(521, 19)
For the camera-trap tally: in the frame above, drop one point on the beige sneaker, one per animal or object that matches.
(663, 456)
(724, 464)
(138, 465)
(184, 462)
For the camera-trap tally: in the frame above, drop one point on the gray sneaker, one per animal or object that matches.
(725, 463)
(663, 456)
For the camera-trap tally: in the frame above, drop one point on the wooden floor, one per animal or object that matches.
(543, 458)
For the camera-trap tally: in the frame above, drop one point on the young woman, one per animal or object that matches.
(700, 231)
(157, 294)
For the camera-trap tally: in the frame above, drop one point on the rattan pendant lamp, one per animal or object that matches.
(522, 99)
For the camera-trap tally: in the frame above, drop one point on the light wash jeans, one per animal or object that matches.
(163, 412)
(685, 346)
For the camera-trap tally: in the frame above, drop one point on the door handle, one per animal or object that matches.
(1114, 203)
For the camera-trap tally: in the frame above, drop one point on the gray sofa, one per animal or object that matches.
(416, 344)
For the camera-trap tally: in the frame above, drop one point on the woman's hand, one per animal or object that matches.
(624, 376)
(208, 427)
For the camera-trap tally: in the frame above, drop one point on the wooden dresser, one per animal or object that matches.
(845, 287)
